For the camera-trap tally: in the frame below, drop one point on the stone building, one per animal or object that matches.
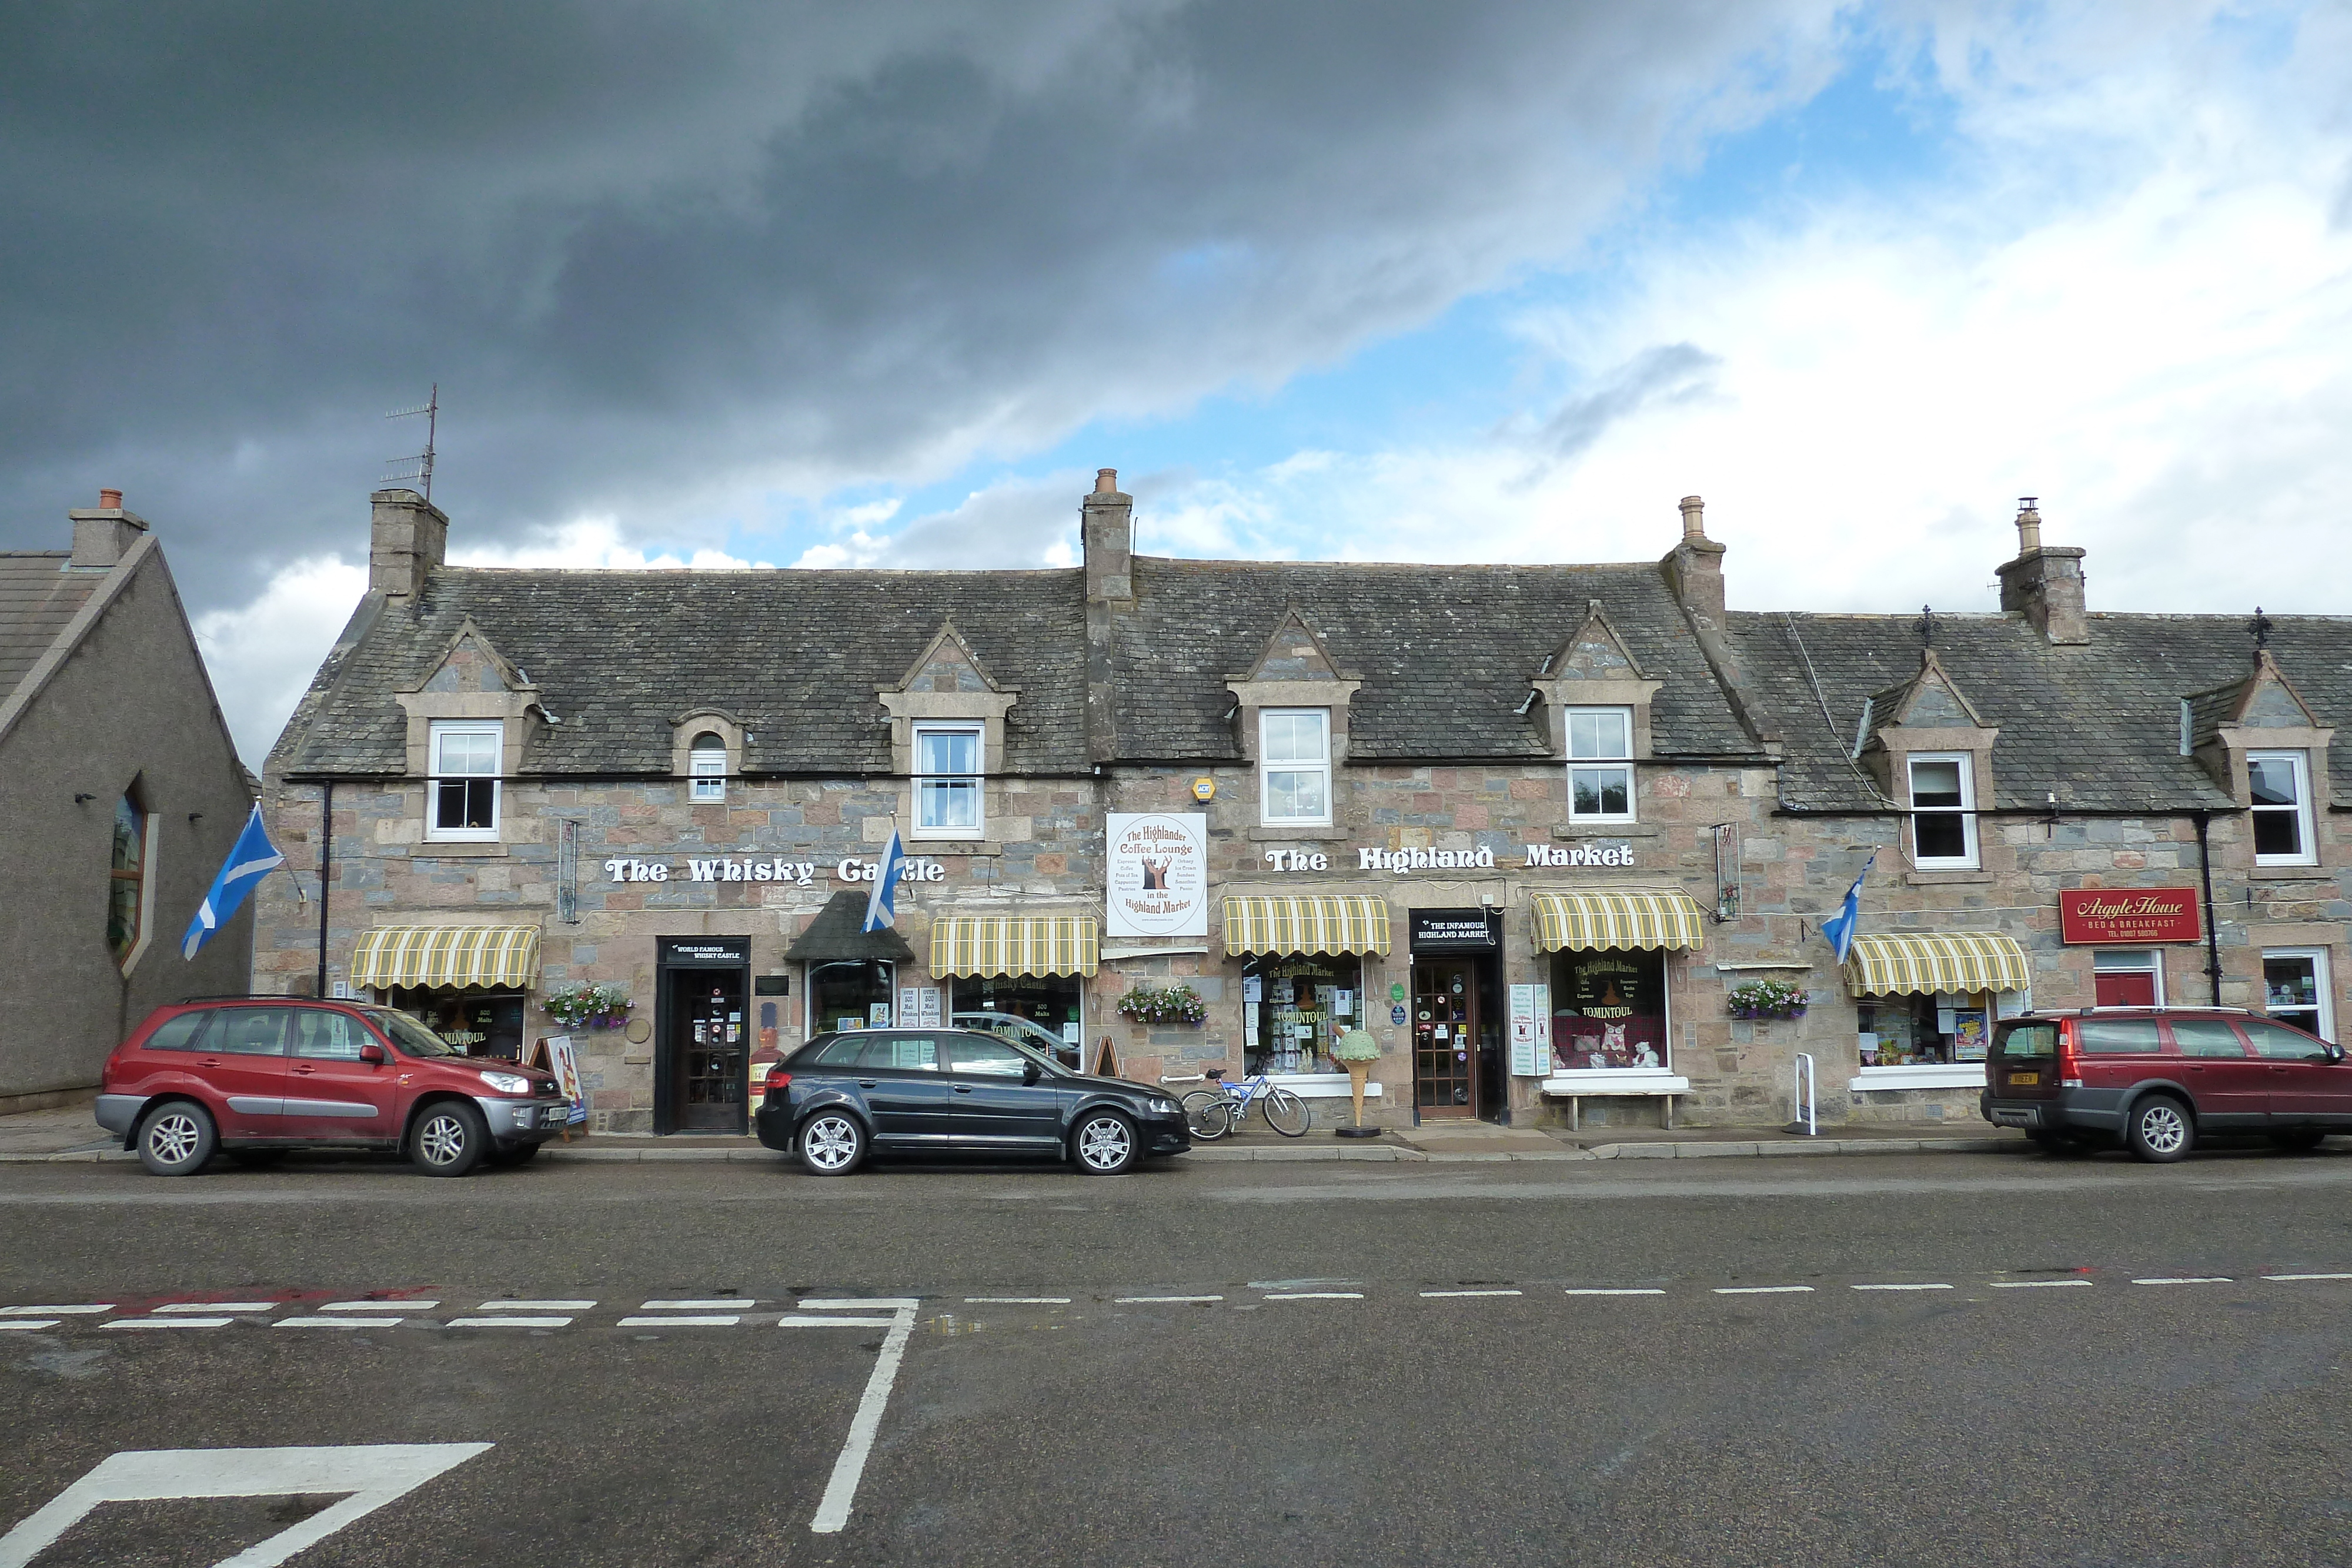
(122, 792)
(1541, 829)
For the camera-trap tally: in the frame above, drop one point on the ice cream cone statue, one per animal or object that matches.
(1357, 1051)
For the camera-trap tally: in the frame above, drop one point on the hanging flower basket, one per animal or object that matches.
(1767, 1000)
(590, 1007)
(1164, 1005)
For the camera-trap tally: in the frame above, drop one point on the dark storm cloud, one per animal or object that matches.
(661, 258)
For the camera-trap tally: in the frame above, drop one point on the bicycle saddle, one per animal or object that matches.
(1216, 1074)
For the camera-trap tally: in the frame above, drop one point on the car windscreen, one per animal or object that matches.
(2018, 1040)
(413, 1038)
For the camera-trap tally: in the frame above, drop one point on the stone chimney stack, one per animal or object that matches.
(103, 533)
(1107, 533)
(2046, 581)
(1694, 570)
(408, 538)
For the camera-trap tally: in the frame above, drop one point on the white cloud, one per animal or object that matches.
(588, 543)
(261, 656)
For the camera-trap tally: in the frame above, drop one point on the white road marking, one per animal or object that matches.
(1763, 1290)
(1615, 1290)
(506, 1323)
(805, 1321)
(503, 1306)
(168, 1323)
(1156, 1299)
(1898, 1287)
(2189, 1279)
(372, 1473)
(29, 1324)
(685, 1320)
(735, 1303)
(2300, 1277)
(1314, 1296)
(2035, 1285)
(860, 1303)
(1439, 1295)
(1016, 1301)
(346, 1322)
(832, 1508)
(55, 1312)
(374, 1306)
(220, 1307)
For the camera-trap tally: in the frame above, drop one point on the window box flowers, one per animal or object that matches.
(590, 1007)
(1767, 1000)
(1164, 1005)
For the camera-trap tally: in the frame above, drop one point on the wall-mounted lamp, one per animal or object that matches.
(195, 816)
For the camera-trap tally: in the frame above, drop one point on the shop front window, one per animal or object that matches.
(2295, 989)
(1002, 1004)
(1294, 1007)
(1609, 1008)
(1922, 1030)
(851, 993)
(479, 1022)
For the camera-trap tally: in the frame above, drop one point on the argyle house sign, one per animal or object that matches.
(2138, 915)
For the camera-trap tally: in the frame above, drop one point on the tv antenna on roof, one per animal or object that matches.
(417, 470)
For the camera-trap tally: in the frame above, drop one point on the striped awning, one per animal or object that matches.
(1306, 923)
(446, 956)
(1961, 961)
(1589, 920)
(1016, 945)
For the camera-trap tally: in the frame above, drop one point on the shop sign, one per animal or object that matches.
(1452, 930)
(1530, 1032)
(1403, 861)
(1157, 867)
(797, 874)
(2150, 914)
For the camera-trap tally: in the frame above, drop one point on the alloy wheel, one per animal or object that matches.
(1104, 1143)
(172, 1138)
(829, 1143)
(442, 1139)
(2163, 1128)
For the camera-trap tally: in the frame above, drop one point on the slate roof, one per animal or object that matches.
(797, 655)
(1445, 654)
(2097, 725)
(37, 598)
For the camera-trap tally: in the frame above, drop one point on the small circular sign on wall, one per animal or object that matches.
(640, 1030)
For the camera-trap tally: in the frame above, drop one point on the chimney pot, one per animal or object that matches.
(1105, 481)
(1693, 517)
(110, 500)
(2028, 526)
(2046, 581)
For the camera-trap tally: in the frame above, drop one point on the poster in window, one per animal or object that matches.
(1608, 1009)
(1157, 866)
(1968, 1034)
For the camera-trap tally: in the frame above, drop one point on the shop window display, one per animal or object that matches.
(1925, 1029)
(1608, 1010)
(850, 994)
(1294, 1010)
(1051, 1002)
(477, 1023)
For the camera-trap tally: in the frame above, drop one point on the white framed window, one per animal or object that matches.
(462, 800)
(707, 764)
(948, 782)
(1599, 764)
(2280, 783)
(2296, 989)
(2128, 977)
(1294, 749)
(1944, 811)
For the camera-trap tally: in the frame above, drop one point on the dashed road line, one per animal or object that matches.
(550, 1306)
(82, 1309)
(728, 1304)
(2037, 1284)
(684, 1321)
(1763, 1290)
(1898, 1287)
(1614, 1290)
(168, 1323)
(374, 1306)
(1445, 1295)
(209, 1307)
(1161, 1300)
(506, 1323)
(1016, 1301)
(346, 1320)
(29, 1324)
(2286, 1277)
(2189, 1279)
(1313, 1296)
(816, 1320)
(858, 1304)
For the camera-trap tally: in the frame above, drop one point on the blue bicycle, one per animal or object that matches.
(1213, 1112)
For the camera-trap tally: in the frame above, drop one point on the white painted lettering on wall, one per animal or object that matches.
(1582, 855)
(1403, 861)
(799, 874)
(1298, 860)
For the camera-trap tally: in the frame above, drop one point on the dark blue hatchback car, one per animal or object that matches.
(951, 1091)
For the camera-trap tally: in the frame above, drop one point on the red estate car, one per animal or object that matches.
(2157, 1079)
(255, 1076)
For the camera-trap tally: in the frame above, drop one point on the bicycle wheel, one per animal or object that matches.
(1286, 1113)
(1208, 1113)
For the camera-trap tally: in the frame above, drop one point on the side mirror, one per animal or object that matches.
(372, 1053)
(1030, 1072)
(2334, 1052)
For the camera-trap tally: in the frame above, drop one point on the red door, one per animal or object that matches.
(2124, 989)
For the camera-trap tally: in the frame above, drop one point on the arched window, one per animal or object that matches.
(126, 891)
(706, 761)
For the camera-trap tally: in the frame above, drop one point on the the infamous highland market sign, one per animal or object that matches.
(799, 874)
(2148, 914)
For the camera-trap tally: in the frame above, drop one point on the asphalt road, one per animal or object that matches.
(1515, 1364)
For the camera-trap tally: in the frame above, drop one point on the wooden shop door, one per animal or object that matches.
(1445, 1037)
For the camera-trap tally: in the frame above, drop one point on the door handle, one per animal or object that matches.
(865, 1084)
(304, 1068)
(963, 1088)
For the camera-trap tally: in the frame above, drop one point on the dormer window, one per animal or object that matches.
(2279, 785)
(707, 764)
(1294, 767)
(464, 782)
(1600, 766)
(1943, 812)
(948, 781)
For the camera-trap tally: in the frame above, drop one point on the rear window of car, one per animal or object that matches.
(918, 1053)
(840, 1051)
(2117, 1037)
(2022, 1039)
(179, 1032)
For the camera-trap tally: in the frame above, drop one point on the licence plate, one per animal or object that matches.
(2025, 1078)
(553, 1115)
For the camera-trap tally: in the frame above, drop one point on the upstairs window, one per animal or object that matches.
(464, 792)
(707, 764)
(1943, 812)
(1294, 767)
(2280, 786)
(948, 780)
(1599, 764)
(126, 893)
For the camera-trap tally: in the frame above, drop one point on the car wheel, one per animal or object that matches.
(255, 1159)
(2298, 1140)
(1105, 1144)
(2161, 1130)
(450, 1139)
(176, 1138)
(833, 1142)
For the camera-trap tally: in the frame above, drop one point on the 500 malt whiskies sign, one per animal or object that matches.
(799, 874)
(2134, 915)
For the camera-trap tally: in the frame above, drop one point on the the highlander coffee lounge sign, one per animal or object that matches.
(1158, 870)
(2140, 915)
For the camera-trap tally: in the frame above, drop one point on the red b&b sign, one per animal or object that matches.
(2138, 915)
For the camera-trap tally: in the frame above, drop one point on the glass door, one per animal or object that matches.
(710, 1047)
(1445, 1037)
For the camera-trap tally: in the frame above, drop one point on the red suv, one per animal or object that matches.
(2157, 1079)
(256, 1076)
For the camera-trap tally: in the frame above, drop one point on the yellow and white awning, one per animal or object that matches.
(446, 956)
(1593, 920)
(1016, 945)
(1961, 961)
(1306, 923)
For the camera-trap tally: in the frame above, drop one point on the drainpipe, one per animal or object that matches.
(2212, 937)
(326, 865)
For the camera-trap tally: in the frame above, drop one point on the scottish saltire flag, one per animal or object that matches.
(881, 908)
(1839, 927)
(253, 858)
